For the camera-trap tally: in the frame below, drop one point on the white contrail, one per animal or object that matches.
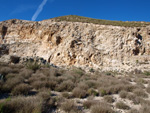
(38, 11)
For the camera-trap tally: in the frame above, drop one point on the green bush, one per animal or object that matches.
(93, 92)
(33, 66)
(102, 92)
(147, 73)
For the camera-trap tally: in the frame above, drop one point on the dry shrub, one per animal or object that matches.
(78, 71)
(51, 84)
(66, 95)
(140, 80)
(123, 94)
(122, 105)
(49, 71)
(140, 85)
(140, 93)
(32, 104)
(17, 66)
(45, 94)
(131, 96)
(33, 65)
(3, 64)
(134, 98)
(66, 86)
(37, 77)
(144, 109)
(68, 106)
(93, 92)
(21, 89)
(101, 108)
(12, 82)
(5, 70)
(87, 104)
(45, 71)
(103, 91)
(10, 75)
(115, 89)
(92, 83)
(134, 111)
(38, 84)
(145, 102)
(109, 99)
(148, 89)
(26, 73)
(79, 93)
(83, 85)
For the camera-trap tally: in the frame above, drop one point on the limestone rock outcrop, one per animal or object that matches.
(84, 45)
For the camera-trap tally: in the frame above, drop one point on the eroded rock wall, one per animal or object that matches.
(80, 44)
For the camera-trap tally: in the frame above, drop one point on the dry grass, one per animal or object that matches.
(21, 89)
(11, 83)
(145, 109)
(38, 84)
(133, 111)
(134, 98)
(79, 93)
(92, 92)
(148, 89)
(44, 94)
(5, 70)
(87, 104)
(122, 105)
(66, 95)
(66, 86)
(26, 73)
(101, 108)
(140, 93)
(109, 99)
(22, 105)
(123, 94)
(68, 106)
(83, 86)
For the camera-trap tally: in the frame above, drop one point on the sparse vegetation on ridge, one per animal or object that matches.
(75, 18)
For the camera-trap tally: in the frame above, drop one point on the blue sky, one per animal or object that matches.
(122, 10)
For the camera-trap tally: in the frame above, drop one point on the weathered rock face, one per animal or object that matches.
(80, 44)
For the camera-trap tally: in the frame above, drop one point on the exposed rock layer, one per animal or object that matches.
(80, 44)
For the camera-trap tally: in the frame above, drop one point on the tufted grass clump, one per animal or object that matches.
(122, 105)
(101, 108)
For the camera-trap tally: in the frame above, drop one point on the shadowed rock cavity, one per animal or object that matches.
(4, 31)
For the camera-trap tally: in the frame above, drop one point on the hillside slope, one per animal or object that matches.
(81, 44)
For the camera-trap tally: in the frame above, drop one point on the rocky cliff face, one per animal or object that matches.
(83, 45)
